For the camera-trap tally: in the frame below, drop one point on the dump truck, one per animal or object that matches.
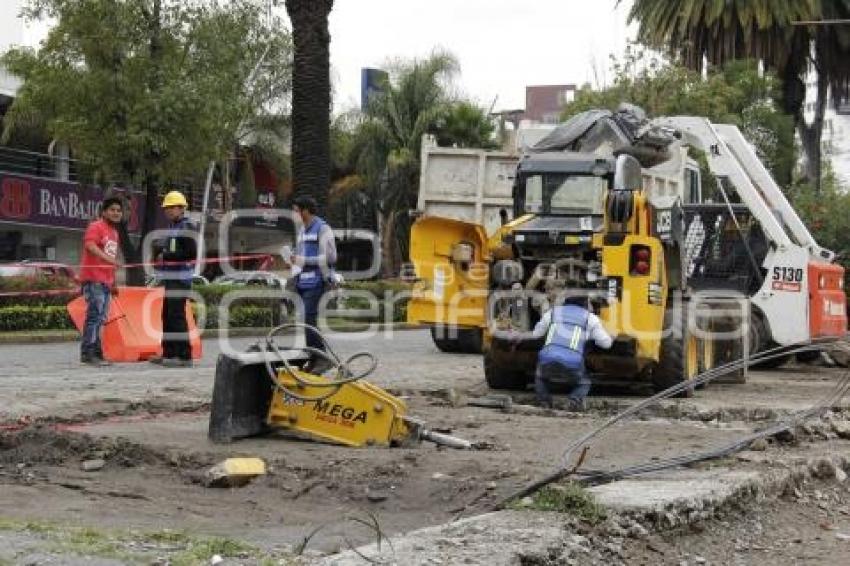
(623, 197)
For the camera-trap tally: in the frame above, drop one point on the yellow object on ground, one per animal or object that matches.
(235, 471)
(357, 414)
(260, 391)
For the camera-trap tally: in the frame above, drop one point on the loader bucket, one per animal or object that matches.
(133, 328)
(242, 395)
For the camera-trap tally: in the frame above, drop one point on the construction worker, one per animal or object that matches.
(176, 266)
(313, 262)
(97, 274)
(567, 329)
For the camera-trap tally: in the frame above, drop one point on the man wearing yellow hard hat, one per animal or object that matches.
(175, 270)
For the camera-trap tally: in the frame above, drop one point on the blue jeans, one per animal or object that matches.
(311, 298)
(576, 378)
(97, 297)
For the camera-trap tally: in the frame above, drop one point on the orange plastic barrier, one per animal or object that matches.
(133, 329)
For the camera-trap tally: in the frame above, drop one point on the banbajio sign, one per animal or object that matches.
(58, 204)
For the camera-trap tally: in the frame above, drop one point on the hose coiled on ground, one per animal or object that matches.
(342, 368)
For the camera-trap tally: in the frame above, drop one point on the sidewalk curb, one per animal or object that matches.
(58, 336)
(672, 499)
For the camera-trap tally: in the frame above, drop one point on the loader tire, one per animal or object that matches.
(466, 340)
(808, 357)
(500, 377)
(765, 343)
(672, 359)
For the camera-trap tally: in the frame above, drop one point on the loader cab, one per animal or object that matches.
(562, 184)
(565, 192)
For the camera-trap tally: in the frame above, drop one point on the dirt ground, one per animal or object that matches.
(149, 426)
(809, 526)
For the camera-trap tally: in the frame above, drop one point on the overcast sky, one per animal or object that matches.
(502, 45)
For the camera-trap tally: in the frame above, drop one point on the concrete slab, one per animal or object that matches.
(670, 499)
(494, 539)
(685, 488)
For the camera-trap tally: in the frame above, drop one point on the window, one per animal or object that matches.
(534, 194)
(565, 194)
(566, 96)
(692, 188)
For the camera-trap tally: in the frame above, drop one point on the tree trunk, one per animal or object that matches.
(811, 134)
(311, 98)
(136, 276)
(133, 254)
(388, 243)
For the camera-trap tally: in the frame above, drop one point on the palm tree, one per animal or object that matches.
(720, 31)
(311, 97)
(387, 151)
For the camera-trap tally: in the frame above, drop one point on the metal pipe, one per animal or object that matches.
(204, 213)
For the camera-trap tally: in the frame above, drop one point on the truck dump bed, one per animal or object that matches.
(472, 185)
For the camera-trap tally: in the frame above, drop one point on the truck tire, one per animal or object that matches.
(672, 360)
(465, 341)
(498, 376)
(443, 344)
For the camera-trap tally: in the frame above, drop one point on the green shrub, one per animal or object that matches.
(47, 291)
(242, 316)
(50, 312)
(34, 318)
(386, 292)
(55, 299)
(213, 295)
(35, 283)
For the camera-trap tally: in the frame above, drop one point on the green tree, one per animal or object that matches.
(387, 150)
(721, 31)
(311, 97)
(149, 91)
(465, 124)
(736, 93)
(826, 215)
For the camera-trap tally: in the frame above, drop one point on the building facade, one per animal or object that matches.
(836, 131)
(544, 103)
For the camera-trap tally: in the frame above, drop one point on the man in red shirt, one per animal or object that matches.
(97, 274)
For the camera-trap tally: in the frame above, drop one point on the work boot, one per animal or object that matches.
(92, 360)
(176, 363)
(577, 406)
(156, 360)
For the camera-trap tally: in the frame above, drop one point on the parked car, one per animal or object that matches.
(259, 278)
(154, 281)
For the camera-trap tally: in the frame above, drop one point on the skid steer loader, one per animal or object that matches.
(585, 197)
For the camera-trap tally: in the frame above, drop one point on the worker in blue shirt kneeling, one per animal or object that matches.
(567, 329)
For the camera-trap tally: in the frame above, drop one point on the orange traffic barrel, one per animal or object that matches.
(133, 328)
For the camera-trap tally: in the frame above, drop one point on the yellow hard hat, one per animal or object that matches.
(174, 198)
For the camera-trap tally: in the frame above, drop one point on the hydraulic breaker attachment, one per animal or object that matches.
(266, 389)
(354, 414)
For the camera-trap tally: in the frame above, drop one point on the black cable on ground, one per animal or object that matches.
(565, 470)
(840, 391)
